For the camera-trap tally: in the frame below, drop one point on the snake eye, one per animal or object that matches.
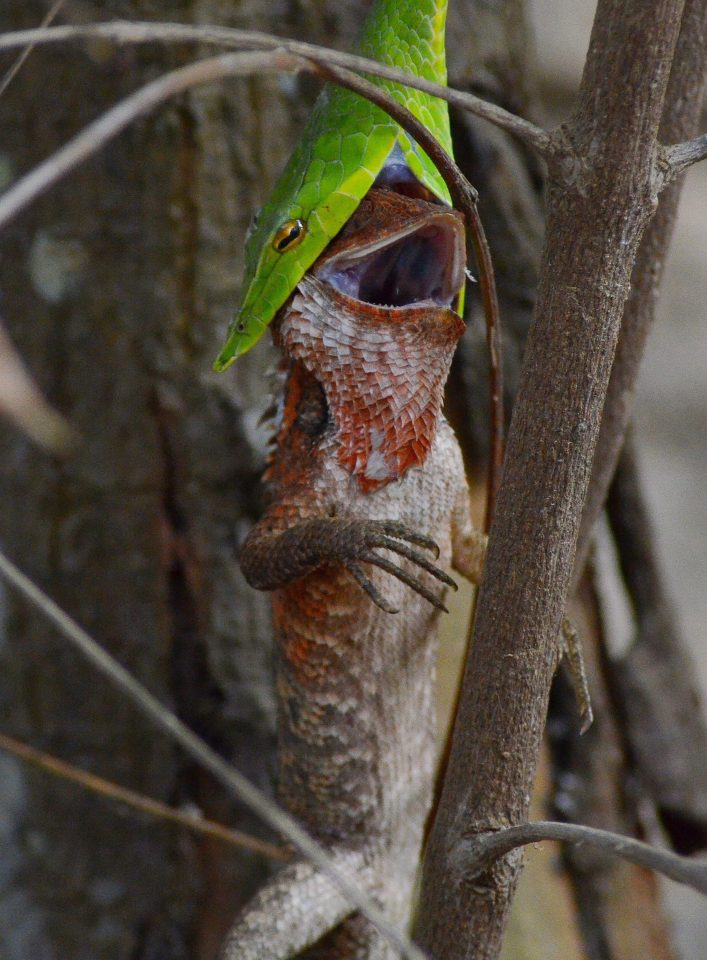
(289, 235)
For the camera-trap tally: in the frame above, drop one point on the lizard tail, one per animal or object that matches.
(293, 910)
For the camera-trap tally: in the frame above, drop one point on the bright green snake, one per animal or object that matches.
(344, 147)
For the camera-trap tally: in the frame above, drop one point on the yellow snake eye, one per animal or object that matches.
(289, 235)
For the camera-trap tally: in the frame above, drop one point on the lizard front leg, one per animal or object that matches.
(271, 559)
(468, 554)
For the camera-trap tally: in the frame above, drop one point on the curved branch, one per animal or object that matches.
(97, 134)
(477, 855)
(137, 32)
(238, 785)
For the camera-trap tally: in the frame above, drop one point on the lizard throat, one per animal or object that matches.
(383, 371)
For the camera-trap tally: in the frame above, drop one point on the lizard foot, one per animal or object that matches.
(391, 535)
(572, 649)
(271, 560)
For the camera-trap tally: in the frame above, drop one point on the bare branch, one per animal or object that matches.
(680, 156)
(17, 65)
(238, 785)
(595, 222)
(110, 124)
(138, 32)
(137, 801)
(478, 854)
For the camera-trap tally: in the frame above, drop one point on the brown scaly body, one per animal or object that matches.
(367, 476)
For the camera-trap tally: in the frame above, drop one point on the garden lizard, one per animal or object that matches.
(369, 509)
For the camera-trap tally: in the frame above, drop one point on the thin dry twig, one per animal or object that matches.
(238, 785)
(138, 801)
(127, 32)
(477, 855)
(17, 65)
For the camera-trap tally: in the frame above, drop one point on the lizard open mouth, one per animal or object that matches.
(418, 265)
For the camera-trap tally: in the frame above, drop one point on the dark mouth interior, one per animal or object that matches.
(419, 267)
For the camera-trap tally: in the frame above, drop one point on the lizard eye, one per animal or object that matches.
(289, 235)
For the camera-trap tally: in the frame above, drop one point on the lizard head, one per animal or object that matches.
(373, 322)
(397, 251)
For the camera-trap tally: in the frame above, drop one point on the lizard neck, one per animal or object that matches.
(383, 371)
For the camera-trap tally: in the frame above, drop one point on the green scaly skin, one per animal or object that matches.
(343, 149)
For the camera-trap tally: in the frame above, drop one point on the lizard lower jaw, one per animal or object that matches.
(422, 266)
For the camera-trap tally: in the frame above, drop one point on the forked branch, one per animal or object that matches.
(596, 218)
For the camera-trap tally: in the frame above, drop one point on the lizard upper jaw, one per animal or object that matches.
(420, 264)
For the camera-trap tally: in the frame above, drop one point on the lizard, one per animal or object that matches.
(366, 473)
(369, 508)
(348, 146)
(365, 468)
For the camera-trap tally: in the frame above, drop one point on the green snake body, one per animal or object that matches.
(343, 149)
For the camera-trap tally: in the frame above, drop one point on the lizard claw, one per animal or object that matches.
(401, 531)
(387, 535)
(406, 578)
(417, 558)
(372, 591)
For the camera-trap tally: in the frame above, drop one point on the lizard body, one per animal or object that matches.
(355, 682)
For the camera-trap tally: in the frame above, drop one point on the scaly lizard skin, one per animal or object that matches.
(366, 478)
